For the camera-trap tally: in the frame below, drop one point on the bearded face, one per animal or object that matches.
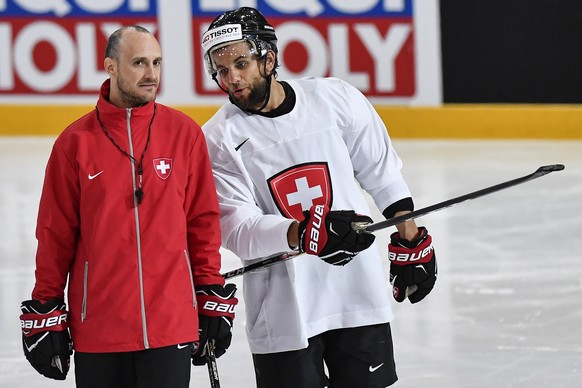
(242, 75)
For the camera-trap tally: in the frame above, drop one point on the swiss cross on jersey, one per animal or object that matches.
(297, 188)
(163, 167)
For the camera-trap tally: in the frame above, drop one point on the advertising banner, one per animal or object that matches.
(56, 47)
(369, 44)
(51, 51)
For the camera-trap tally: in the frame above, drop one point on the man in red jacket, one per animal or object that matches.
(129, 218)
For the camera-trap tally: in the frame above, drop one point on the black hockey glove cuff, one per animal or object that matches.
(45, 337)
(329, 234)
(413, 268)
(215, 315)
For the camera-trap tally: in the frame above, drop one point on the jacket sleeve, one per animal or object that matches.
(203, 217)
(57, 226)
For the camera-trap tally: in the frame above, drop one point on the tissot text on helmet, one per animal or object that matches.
(230, 32)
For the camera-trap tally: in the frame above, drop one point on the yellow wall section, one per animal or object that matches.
(485, 122)
(447, 122)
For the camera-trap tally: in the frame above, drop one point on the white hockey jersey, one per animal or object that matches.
(267, 171)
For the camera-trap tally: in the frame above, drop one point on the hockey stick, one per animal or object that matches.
(544, 170)
(211, 364)
(369, 228)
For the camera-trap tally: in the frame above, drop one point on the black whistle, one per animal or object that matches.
(139, 195)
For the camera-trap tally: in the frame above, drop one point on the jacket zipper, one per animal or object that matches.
(191, 278)
(137, 234)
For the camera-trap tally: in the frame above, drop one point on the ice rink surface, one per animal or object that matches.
(507, 307)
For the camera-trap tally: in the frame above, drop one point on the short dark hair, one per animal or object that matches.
(112, 49)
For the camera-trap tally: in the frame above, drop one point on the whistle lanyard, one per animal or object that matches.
(139, 191)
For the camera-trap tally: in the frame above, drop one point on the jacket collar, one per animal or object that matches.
(111, 112)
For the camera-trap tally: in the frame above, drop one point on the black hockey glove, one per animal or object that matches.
(413, 268)
(216, 314)
(329, 234)
(45, 337)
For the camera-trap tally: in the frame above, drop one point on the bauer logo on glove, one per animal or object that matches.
(413, 269)
(315, 232)
(34, 325)
(413, 256)
(45, 337)
(216, 315)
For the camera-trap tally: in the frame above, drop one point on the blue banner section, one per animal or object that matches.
(71, 8)
(311, 8)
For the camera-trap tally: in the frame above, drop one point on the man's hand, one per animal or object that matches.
(413, 268)
(329, 234)
(216, 313)
(45, 337)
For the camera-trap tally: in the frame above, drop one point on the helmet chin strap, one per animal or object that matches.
(267, 97)
(268, 79)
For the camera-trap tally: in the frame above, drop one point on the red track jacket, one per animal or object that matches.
(132, 269)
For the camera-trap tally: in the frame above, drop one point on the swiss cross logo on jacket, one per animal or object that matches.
(299, 187)
(163, 167)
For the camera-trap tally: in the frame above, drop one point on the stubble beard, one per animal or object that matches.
(257, 95)
(133, 98)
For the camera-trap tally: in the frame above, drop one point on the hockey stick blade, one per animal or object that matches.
(369, 228)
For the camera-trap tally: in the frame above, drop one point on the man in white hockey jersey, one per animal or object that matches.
(286, 157)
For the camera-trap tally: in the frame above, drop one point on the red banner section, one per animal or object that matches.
(61, 56)
(375, 55)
